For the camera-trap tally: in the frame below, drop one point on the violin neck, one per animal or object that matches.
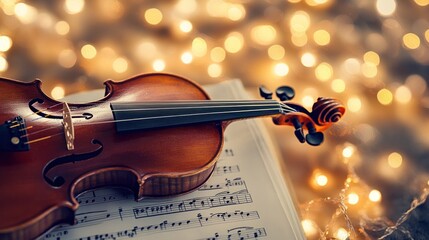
(148, 115)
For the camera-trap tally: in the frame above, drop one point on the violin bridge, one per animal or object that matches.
(68, 127)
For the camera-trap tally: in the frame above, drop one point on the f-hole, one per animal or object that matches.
(52, 116)
(58, 181)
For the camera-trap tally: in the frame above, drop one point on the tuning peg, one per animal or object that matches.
(299, 133)
(265, 93)
(285, 93)
(313, 138)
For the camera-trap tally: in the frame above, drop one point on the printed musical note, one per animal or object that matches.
(240, 233)
(226, 184)
(221, 170)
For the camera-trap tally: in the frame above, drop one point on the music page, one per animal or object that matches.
(245, 198)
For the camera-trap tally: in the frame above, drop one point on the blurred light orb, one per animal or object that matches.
(374, 195)
(281, 69)
(411, 41)
(234, 42)
(348, 151)
(5, 43)
(300, 22)
(353, 198)
(146, 50)
(199, 47)
(120, 65)
(263, 34)
(341, 234)
(186, 57)
(324, 71)
(276, 52)
(62, 27)
(185, 26)
(67, 58)
(158, 65)
(299, 40)
(321, 37)
(416, 83)
(214, 70)
(385, 96)
(369, 70)
(74, 6)
(354, 104)
(3, 64)
(309, 227)
(57, 92)
(153, 16)
(371, 57)
(321, 180)
(186, 6)
(394, 160)
(385, 7)
(352, 66)
(236, 12)
(307, 101)
(422, 3)
(427, 35)
(217, 54)
(25, 13)
(308, 59)
(338, 85)
(88, 51)
(403, 94)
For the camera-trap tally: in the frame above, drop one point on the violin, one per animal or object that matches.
(156, 134)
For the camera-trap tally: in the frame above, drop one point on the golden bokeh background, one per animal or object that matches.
(371, 174)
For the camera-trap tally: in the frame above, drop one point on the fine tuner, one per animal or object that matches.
(156, 134)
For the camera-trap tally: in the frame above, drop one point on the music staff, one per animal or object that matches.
(221, 170)
(240, 233)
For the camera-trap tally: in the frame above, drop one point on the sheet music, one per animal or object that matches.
(245, 198)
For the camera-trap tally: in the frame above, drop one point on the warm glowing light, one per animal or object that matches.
(371, 57)
(352, 66)
(341, 234)
(234, 42)
(217, 54)
(322, 37)
(236, 12)
(67, 58)
(25, 13)
(300, 22)
(394, 160)
(427, 35)
(185, 26)
(307, 101)
(309, 227)
(299, 40)
(386, 7)
(3, 64)
(199, 47)
(120, 65)
(369, 70)
(321, 180)
(214, 70)
(158, 65)
(411, 40)
(276, 52)
(422, 3)
(88, 51)
(324, 71)
(281, 69)
(153, 16)
(416, 83)
(308, 59)
(403, 94)
(348, 151)
(62, 27)
(186, 57)
(263, 34)
(57, 92)
(374, 195)
(74, 6)
(5, 43)
(384, 96)
(354, 104)
(338, 85)
(186, 6)
(146, 50)
(353, 198)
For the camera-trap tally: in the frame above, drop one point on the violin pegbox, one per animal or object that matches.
(325, 112)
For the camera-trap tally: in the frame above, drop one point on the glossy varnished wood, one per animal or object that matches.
(158, 162)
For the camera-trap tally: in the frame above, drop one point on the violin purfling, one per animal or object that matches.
(156, 134)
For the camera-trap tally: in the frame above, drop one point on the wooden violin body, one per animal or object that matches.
(40, 174)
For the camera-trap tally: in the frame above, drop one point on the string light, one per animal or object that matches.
(384, 96)
(353, 198)
(386, 7)
(62, 27)
(57, 92)
(5, 43)
(324, 71)
(308, 59)
(186, 57)
(217, 54)
(338, 85)
(185, 26)
(394, 160)
(158, 65)
(322, 37)
(234, 42)
(263, 34)
(120, 65)
(3, 64)
(199, 47)
(67, 58)
(88, 51)
(153, 16)
(354, 104)
(74, 6)
(411, 40)
(374, 195)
